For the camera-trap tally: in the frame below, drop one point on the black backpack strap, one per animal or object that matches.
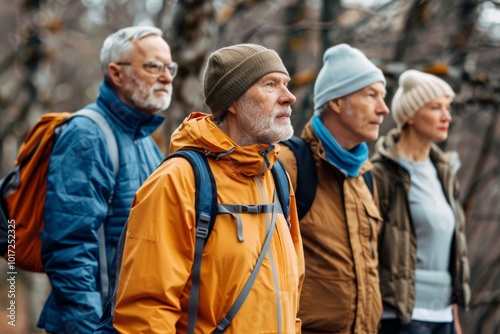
(307, 175)
(206, 211)
(369, 180)
(282, 188)
(206, 189)
(8, 184)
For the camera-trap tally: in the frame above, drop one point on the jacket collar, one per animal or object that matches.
(128, 119)
(386, 148)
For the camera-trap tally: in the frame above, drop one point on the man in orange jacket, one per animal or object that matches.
(246, 90)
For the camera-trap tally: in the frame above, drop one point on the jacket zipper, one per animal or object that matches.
(276, 281)
(136, 146)
(406, 286)
(458, 259)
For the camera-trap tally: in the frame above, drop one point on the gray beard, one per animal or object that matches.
(262, 130)
(150, 102)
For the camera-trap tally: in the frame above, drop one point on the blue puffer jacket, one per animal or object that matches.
(79, 185)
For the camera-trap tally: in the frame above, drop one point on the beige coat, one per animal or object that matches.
(341, 287)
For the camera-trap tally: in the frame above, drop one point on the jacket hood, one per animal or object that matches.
(386, 148)
(199, 132)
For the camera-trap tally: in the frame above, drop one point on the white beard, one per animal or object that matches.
(259, 129)
(144, 99)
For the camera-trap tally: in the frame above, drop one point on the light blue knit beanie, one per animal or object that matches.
(345, 70)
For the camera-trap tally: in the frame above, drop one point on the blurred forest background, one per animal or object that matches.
(49, 61)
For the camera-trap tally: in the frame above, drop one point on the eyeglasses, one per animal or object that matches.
(156, 68)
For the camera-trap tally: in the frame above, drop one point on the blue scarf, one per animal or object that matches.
(349, 162)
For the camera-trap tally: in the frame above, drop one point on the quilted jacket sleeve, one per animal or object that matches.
(79, 184)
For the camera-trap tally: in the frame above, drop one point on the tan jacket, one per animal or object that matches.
(397, 240)
(341, 287)
(155, 278)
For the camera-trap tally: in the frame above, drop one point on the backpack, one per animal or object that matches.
(23, 191)
(307, 175)
(207, 208)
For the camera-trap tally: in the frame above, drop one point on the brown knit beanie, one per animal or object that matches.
(232, 70)
(416, 89)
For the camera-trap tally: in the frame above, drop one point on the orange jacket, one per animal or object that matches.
(341, 287)
(154, 282)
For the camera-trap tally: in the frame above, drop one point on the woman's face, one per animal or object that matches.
(432, 121)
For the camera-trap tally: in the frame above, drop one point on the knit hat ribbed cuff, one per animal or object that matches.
(241, 76)
(349, 86)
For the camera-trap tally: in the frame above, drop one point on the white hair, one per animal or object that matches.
(117, 45)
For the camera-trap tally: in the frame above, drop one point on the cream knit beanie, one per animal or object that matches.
(416, 89)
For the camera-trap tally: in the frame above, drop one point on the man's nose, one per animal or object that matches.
(287, 98)
(382, 108)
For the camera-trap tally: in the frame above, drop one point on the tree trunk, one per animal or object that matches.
(194, 32)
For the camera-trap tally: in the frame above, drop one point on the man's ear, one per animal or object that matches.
(115, 74)
(334, 105)
(232, 108)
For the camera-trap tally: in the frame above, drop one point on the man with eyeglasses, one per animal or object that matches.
(83, 191)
